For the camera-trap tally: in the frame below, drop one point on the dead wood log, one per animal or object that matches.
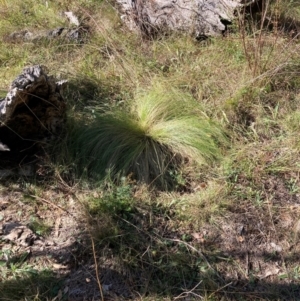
(31, 114)
(77, 32)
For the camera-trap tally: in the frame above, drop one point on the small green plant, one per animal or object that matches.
(292, 185)
(123, 195)
(15, 264)
(154, 133)
(116, 200)
(39, 227)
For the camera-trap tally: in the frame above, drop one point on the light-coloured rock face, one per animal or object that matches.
(197, 17)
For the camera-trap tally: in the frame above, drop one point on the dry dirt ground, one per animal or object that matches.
(250, 253)
(49, 232)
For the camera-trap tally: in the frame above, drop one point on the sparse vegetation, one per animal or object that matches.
(215, 122)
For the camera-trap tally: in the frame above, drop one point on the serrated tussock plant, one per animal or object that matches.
(149, 136)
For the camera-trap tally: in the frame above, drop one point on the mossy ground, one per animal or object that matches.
(228, 230)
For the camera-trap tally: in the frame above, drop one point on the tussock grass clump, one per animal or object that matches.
(150, 136)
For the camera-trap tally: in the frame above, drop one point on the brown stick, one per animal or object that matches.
(50, 203)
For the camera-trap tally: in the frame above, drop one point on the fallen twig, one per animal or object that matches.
(50, 203)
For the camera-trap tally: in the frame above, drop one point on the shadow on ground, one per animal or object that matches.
(141, 252)
(128, 282)
(142, 249)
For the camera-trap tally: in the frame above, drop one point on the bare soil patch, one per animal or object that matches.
(251, 252)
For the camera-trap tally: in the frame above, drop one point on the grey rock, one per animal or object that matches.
(72, 18)
(197, 17)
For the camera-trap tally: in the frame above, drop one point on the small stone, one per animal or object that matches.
(276, 247)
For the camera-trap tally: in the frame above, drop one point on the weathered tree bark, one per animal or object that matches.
(32, 113)
(77, 35)
(77, 32)
(198, 17)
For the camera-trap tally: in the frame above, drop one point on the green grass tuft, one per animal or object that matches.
(151, 136)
